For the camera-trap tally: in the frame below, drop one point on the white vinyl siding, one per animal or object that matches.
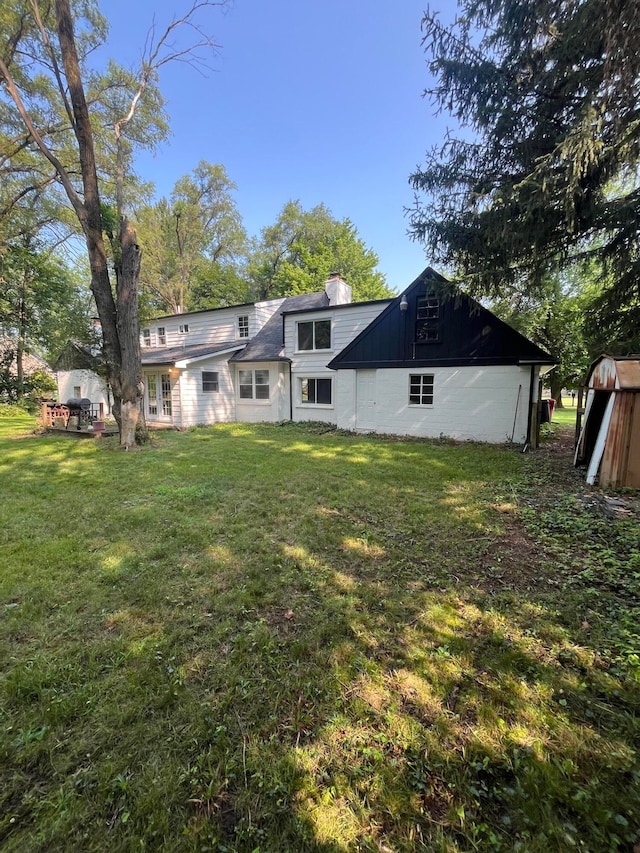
(220, 325)
(207, 407)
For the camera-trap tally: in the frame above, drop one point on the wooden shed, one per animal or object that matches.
(609, 442)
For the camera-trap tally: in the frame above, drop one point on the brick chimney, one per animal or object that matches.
(337, 290)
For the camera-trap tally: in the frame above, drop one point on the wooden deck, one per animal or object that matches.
(83, 432)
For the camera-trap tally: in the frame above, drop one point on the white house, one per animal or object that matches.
(430, 362)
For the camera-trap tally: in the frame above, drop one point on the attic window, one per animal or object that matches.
(428, 320)
(184, 328)
(243, 326)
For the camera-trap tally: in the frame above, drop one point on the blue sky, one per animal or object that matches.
(317, 100)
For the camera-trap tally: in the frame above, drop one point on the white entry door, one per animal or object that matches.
(158, 397)
(366, 399)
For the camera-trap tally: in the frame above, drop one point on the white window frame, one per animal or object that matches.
(314, 348)
(425, 389)
(243, 326)
(310, 403)
(253, 399)
(162, 336)
(146, 337)
(184, 328)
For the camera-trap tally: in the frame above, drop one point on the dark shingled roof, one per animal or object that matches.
(162, 355)
(268, 344)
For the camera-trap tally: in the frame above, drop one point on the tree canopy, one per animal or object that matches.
(192, 243)
(65, 123)
(303, 247)
(543, 170)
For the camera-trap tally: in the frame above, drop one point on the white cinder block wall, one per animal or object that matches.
(469, 403)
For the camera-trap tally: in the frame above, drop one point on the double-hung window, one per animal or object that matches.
(421, 389)
(253, 384)
(146, 337)
(243, 326)
(315, 392)
(210, 380)
(162, 336)
(314, 334)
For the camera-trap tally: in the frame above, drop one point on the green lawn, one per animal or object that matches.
(278, 638)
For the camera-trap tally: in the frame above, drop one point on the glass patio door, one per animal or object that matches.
(158, 397)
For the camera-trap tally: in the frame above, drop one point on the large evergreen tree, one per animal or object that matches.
(543, 171)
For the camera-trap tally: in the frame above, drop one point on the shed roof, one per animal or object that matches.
(610, 372)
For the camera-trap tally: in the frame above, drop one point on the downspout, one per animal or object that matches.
(527, 443)
(290, 393)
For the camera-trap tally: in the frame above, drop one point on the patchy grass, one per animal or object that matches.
(276, 638)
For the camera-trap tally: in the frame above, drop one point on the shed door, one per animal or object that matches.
(366, 399)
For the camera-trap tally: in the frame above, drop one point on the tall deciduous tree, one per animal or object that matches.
(52, 104)
(544, 170)
(302, 248)
(193, 242)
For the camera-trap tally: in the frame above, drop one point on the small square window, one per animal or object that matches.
(184, 328)
(421, 389)
(210, 380)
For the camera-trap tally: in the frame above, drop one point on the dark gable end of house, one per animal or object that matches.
(440, 326)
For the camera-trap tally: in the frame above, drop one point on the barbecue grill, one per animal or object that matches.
(80, 408)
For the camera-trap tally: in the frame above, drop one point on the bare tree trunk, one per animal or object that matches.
(22, 324)
(127, 274)
(119, 318)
